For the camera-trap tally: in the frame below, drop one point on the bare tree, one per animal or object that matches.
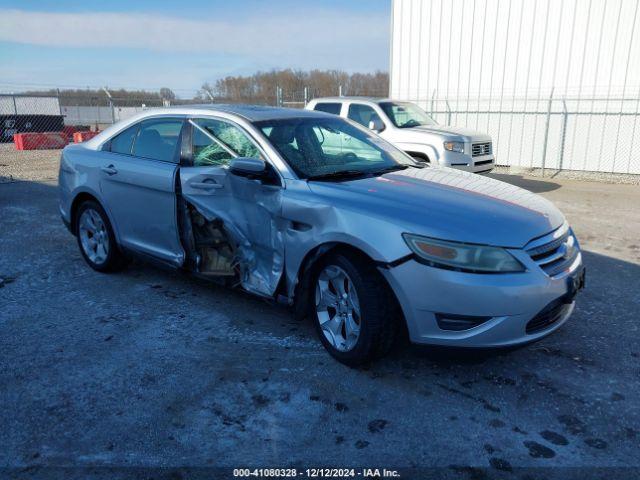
(167, 94)
(261, 86)
(258, 88)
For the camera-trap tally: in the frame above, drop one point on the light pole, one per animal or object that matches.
(113, 112)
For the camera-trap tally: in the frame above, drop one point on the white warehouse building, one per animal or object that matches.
(556, 83)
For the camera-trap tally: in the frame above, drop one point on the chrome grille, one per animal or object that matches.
(557, 255)
(478, 149)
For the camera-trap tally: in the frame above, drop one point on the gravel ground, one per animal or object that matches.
(625, 178)
(28, 164)
(154, 369)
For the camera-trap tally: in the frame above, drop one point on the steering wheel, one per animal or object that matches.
(411, 123)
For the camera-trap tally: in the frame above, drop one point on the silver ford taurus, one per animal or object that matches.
(312, 210)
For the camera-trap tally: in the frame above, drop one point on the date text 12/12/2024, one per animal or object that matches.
(316, 472)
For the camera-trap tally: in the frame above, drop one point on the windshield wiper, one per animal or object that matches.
(360, 173)
(395, 168)
(339, 174)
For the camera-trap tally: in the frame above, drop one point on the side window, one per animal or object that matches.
(329, 108)
(362, 114)
(158, 139)
(123, 142)
(207, 151)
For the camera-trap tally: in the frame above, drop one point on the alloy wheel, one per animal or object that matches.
(338, 308)
(94, 237)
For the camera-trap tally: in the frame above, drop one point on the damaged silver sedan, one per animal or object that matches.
(312, 210)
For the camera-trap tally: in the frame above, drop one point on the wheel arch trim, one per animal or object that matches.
(418, 150)
(300, 289)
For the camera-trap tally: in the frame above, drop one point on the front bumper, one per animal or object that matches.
(464, 161)
(510, 301)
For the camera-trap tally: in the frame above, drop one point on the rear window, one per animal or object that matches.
(333, 108)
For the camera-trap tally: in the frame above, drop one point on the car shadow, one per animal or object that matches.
(533, 185)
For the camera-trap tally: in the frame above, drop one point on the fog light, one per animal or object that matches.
(457, 323)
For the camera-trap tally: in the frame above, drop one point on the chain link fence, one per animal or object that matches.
(25, 112)
(594, 133)
(599, 134)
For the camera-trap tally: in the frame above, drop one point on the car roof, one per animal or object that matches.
(352, 99)
(250, 113)
(253, 113)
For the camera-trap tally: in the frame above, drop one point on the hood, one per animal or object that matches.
(467, 133)
(448, 204)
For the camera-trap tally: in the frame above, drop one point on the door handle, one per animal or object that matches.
(205, 185)
(109, 170)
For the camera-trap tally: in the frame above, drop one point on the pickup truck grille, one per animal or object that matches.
(478, 149)
(557, 255)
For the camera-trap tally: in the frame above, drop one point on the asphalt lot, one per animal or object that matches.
(151, 368)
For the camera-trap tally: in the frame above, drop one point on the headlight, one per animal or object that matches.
(462, 256)
(454, 146)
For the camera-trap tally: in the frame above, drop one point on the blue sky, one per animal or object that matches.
(151, 44)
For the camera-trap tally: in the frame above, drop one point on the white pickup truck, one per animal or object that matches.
(412, 130)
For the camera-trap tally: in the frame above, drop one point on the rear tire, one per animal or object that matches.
(367, 305)
(96, 239)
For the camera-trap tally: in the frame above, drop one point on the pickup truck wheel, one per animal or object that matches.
(96, 239)
(355, 312)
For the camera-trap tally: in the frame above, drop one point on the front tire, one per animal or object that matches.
(355, 312)
(96, 239)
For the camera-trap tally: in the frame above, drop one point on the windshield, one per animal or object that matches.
(324, 147)
(406, 115)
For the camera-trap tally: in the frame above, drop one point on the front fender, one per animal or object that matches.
(311, 221)
(381, 243)
(298, 259)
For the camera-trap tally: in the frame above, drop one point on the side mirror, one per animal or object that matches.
(248, 167)
(376, 124)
